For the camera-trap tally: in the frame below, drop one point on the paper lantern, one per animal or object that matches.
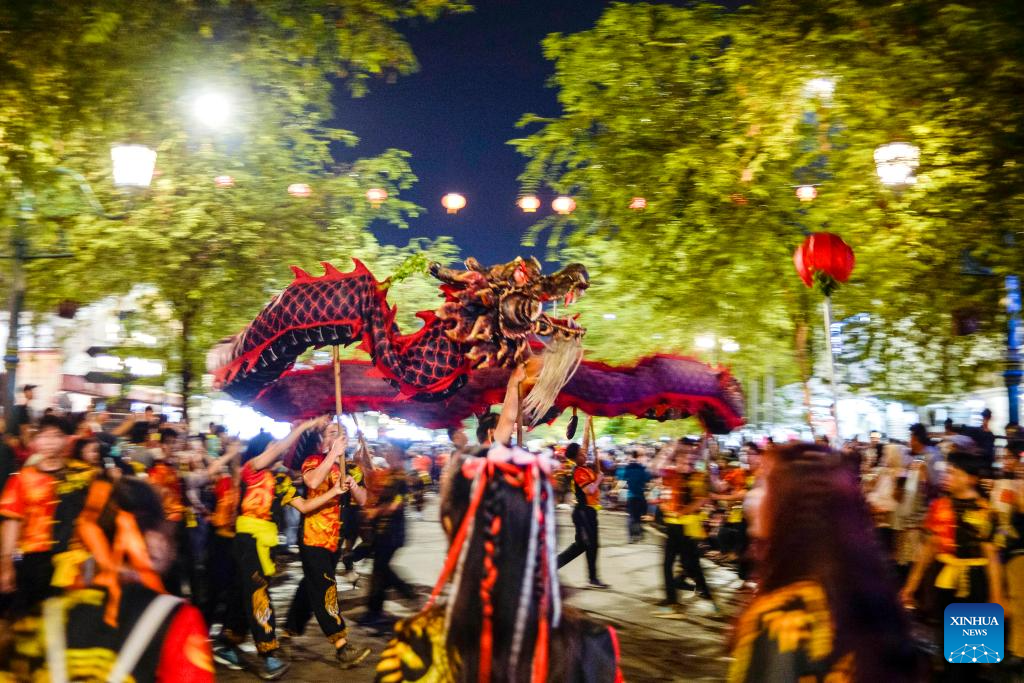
(825, 257)
(376, 196)
(528, 203)
(638, 203)
(453, 201)
(806, 193)
(300, 190)
(224, 181)
(563, 205)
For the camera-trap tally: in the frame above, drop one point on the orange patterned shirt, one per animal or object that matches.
(226, 510)
(165, 480)
(32, 496)
(261, 489)
(322, 528)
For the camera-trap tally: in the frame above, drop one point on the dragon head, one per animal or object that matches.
(498, 309)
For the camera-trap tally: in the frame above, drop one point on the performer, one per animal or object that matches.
(225, 598)
(586, 484)
(320, 547)
(961, 528)
(262, 492)
(38, 509)
(686, 492)
(164, 476)
(504, 619)
(387, 517)
(122, 625)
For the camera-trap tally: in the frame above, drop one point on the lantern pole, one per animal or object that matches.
(826, 308)
(336, 362)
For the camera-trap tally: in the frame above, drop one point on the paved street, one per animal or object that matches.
(688, 648)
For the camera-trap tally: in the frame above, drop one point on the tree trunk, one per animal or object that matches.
(186, 364)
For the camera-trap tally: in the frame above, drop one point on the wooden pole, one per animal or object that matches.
(593, 444)
(336, 360)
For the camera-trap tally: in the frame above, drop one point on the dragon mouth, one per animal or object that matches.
(568, 326)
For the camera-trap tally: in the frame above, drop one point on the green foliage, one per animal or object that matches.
(706, 113)
(76, 77)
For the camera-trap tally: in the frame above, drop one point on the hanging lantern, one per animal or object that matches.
(453, 201)
(376, 196)
(896, 163)
(224, 181)
(824, 257)
(564, 205)
(133, 165)
(528, 203)
(807, 193)
(638, 203)
(300, 190)
(738, 198)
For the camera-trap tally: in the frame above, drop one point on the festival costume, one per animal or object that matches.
(584, 518)
(788, 635)
(319, 551)
(387, 487)
(262, 492)
(47, 504)
(682, 531)
(225, 597)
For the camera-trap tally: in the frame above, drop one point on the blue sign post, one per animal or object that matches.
(1012, 374)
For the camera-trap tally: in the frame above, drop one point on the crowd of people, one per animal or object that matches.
(133, 546)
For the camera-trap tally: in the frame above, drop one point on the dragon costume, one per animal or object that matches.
(458, 363)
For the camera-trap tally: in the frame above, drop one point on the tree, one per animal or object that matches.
(713, 117)
(82, 75)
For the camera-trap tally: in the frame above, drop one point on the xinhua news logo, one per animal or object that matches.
(973, 633)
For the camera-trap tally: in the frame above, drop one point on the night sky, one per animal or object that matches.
(479, 73)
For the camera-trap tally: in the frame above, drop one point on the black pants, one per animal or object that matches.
(255, 595)
(32, 573)
(317, 594)
(678, 544)
(224, 604)
(384, 577)
(584, 518)
(636, 507)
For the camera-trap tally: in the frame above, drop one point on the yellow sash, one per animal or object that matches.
(265, 533)
(957, 573)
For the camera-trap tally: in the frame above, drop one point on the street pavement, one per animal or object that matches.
(690, 646)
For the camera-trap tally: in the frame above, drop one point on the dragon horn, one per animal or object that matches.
(300, 274)
(329, 269)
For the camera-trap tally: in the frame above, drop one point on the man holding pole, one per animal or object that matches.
(586, 484)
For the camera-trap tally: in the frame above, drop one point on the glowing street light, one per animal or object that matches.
(896, 162)
(528, 203)
(564, 205)
(807, 193)
(376, 196)
(820, 87)
(705, 342)
(730, 346)
(301, 190)
(212, 109)
(133, 165)
(453, 201)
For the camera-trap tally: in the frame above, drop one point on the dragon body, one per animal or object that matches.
(458, 362)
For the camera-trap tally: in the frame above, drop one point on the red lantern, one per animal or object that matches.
(806, 193)
(300, 190)
(826, 257)
(376, 196)
(638, 204)
(223, 181)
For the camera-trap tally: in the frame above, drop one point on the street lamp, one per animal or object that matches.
(896, 162)
(133, 167)
(212, 109)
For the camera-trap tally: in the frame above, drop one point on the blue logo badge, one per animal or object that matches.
(973, 633)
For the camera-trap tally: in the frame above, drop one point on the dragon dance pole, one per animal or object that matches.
(336, 360)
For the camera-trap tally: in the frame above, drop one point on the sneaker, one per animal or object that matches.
(349, 656)
(670, 611)
(227, 655)
(272, 668)
(594, 583)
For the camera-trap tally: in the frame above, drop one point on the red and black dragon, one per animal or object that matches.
(457, 364)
